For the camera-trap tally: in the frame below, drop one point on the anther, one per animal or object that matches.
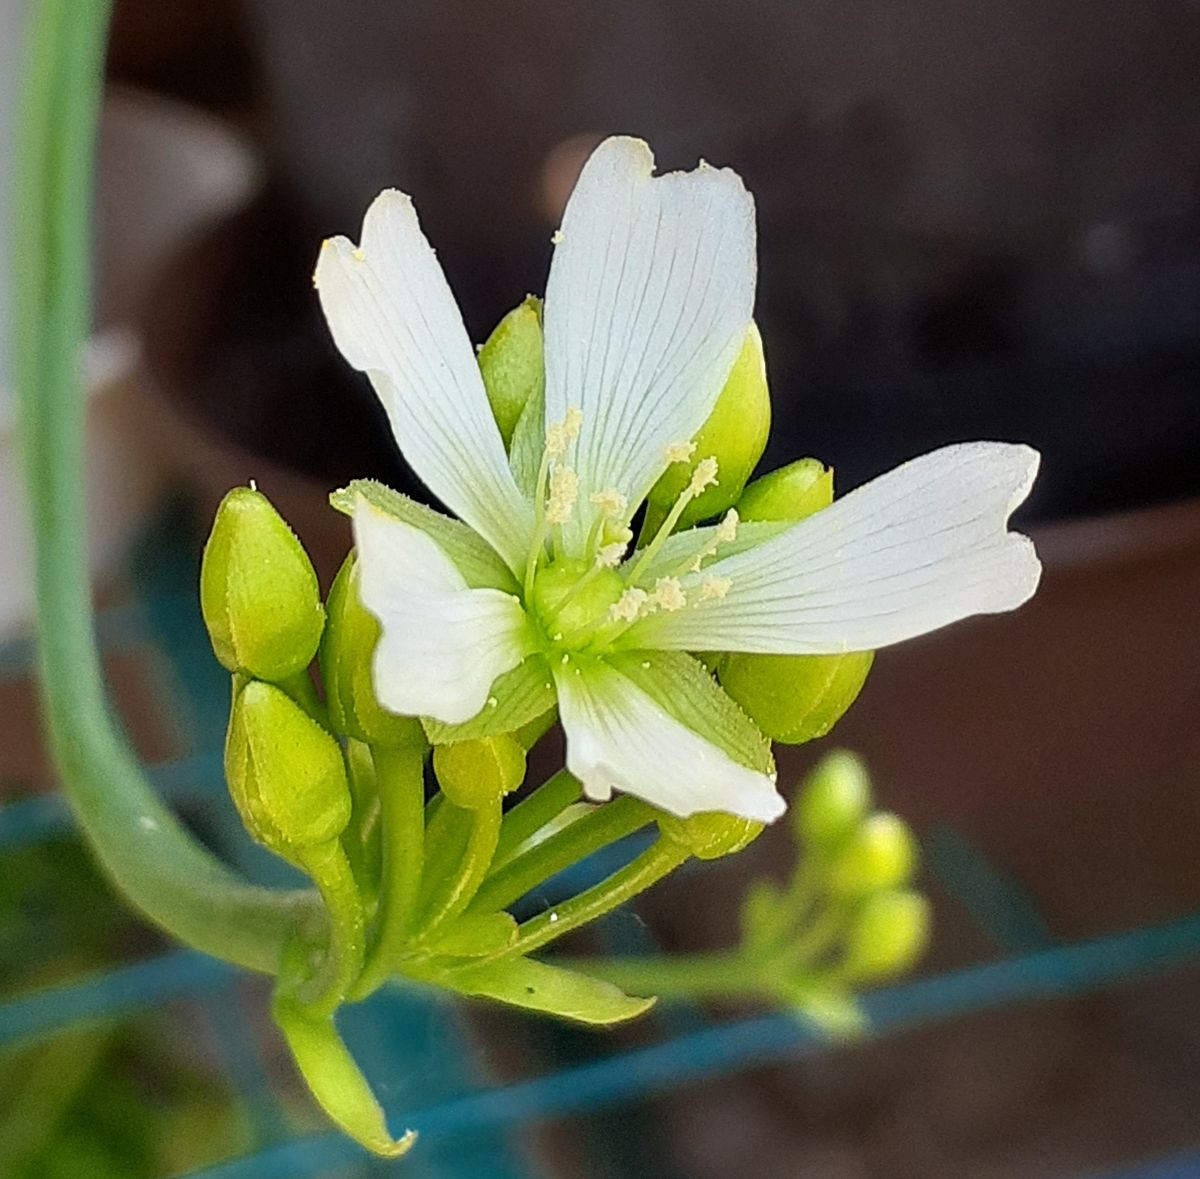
(669, 595)
(611, 503)
(679, 452)
(727, 529)
(629, 605)
(705, 475)
(564, 490)
(713, 588)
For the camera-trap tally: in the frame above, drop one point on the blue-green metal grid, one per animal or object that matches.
(475, 1122)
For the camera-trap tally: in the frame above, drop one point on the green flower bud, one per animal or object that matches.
(793, 698)
(347, 648)
(833, 801)
(512, 364)
(710, 835)
(790, 493)
(285, 772)
(735, 434)
(258, 591)
(474, 773)
(888, 935)
(881, 854)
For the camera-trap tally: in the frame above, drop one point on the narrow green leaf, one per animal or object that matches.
(472, 935)
(535, 986)
(475, 559)
(336, 1081)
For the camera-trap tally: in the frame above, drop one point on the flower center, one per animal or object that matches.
(572, 598)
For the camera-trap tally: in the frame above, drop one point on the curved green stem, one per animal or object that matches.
(151, 858)
(723, 975)
(600, 827)
(637, 876)
(531, 814)
(453, 888)
(343, 962)
(400, 780)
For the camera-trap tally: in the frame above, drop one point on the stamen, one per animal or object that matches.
(357, 254)
(629, 605)
(564, 491)
(714, 588)
(609, 556)
(727, 529)
(611, 503)
(705, 475)
(668, 594)
(679, 452)
(558, 437)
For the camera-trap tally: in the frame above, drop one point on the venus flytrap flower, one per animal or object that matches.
(648, 306)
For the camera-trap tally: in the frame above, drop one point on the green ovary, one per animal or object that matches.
(571, 600)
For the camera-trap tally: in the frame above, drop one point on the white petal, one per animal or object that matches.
(914, 550)
(393, 317)
(648, 303)
(619, 738)
(443, 643)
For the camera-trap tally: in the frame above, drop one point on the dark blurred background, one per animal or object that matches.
(976, 220)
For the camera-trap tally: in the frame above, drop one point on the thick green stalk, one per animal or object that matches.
(400, 780)
(531, 814)
(151, 858)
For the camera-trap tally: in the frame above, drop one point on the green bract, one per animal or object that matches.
(511, 365)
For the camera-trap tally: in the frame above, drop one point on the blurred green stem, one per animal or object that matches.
(159, 867)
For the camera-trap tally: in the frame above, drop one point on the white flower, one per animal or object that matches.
(648, 302)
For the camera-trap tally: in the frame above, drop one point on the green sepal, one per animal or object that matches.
(512, 365)
(258, 591)
(710, 835)
(735, 433)
(347, 651)
(335, 1080)
(472, 935)
(683, 687)
(480, 565)
(528, 445)
(521, 695)
(536, 986)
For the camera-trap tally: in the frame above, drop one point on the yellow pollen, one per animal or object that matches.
(714, 588)
(357, 254)
(705, 475)
(611, 502)
(727, 529)
(564, 490)
(629, 605)
(679, 452)
(556, 237)
(668, 594)
(609, 556)
(560, 435)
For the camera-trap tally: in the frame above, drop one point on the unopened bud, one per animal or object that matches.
(833, 801)
(790, 493)
(347, 651)
(285, 772)
(258, 591)
(880, 855)
(474, 773)
(512, 364)
(709, 835)
(793, 698)
(735, 434)
(888, 935)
